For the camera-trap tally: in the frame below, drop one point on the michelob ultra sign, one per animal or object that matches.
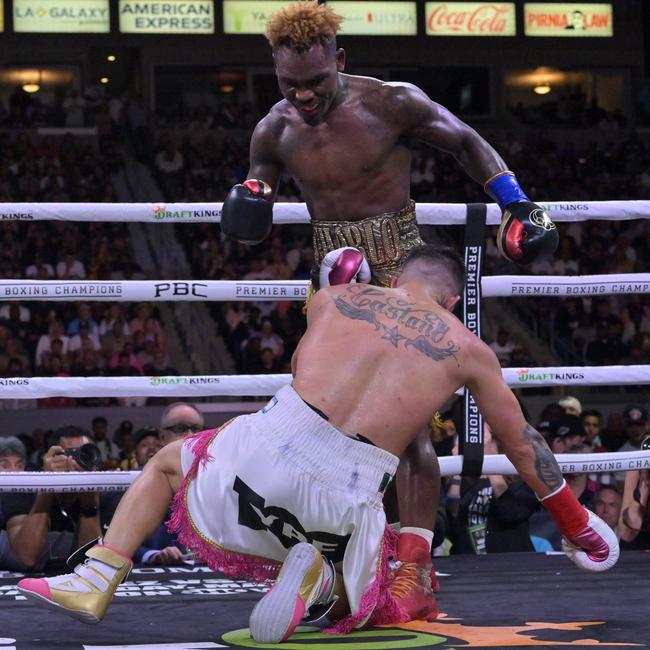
(470, 19)
(568, 19)
(167, 16)
(72, 16)
(361, 18)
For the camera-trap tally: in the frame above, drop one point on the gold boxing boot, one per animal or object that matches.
(305, 580)
(85, 593)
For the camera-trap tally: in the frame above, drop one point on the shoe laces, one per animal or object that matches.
(405, 579)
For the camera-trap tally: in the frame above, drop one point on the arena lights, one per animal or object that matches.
(111, 58)
(542, 89)
(103, 80)
(32, 83)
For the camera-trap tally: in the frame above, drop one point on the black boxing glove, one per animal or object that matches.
(526, 233)
(247, 212)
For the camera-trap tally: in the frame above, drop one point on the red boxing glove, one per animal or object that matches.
(587, 540)
(343, 266)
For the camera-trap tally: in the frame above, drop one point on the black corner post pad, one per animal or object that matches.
(471, 443)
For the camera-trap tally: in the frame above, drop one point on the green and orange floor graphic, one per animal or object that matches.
(499, 601)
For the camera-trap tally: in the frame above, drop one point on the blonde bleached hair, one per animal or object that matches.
(302, 24)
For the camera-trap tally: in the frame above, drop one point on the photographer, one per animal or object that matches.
(45, 526)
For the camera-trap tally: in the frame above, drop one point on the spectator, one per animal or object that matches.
(565, 433)
(55, 332)
(270, 340)
(607, 505)
(503, 347)
(571, 405)
(73, 107)
(592, 422)
(634, 522)
(124, 366)
(581, 485)
(83, 335)
(14, 312)
(109, 451)
(127, 456)
(45, 526)
(70, 268)
(159, 366)
(635, 418)
(147, 442)
(13, 458)
(490, 514)
(39, 269)
(178, 420)
(84, 315)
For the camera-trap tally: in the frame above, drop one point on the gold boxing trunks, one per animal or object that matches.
(384, 240)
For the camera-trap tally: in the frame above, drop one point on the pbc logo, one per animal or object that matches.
(540, 219)
(180, 289)
(255, 514)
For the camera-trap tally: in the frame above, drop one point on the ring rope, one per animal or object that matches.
(259, 290)
(110, 481)
(259, 385)
(294, 213)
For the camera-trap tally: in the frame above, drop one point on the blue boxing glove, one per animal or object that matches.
(526, 233)
(247, 212)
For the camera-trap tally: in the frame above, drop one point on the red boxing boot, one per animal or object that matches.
(415, 582)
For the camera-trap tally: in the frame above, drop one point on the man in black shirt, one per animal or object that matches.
(43, 526)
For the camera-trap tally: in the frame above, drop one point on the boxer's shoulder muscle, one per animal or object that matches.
(270, 129)
(404, 104)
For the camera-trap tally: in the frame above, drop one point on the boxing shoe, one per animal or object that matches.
(85, 593)
(305, 580)
(414, 582)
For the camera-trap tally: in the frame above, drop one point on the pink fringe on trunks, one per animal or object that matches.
(376, 602)
(227, 562)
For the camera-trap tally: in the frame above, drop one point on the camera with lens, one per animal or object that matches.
(87, 456)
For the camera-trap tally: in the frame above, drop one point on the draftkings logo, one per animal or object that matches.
(188, 381)
(524, 376)
(161, 212)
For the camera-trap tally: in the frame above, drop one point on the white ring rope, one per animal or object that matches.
(294, 213)
(261, 290)
(262, 385)
(622, 461)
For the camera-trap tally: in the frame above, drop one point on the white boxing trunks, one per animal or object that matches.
(266, 481)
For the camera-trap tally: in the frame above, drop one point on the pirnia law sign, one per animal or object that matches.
(471, 19)
(568, 19)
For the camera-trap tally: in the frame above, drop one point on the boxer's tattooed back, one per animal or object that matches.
(401, 322)
(546, 467)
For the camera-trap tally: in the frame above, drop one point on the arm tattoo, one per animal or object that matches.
(546, 467)
(420, 329)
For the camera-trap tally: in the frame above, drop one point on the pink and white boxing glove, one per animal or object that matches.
(586, 539)
(343, 266)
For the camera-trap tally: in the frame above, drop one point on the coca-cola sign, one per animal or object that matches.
(471, 19)
(568, 19)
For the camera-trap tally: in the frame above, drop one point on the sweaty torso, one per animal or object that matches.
(379, 362)
(354, 164)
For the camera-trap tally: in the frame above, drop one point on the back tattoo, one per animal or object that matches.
(420, 329)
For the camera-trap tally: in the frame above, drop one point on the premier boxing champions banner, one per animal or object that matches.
(470, 19)
(70, 16)
(568, 19)
(166, 16)
(359, 18)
